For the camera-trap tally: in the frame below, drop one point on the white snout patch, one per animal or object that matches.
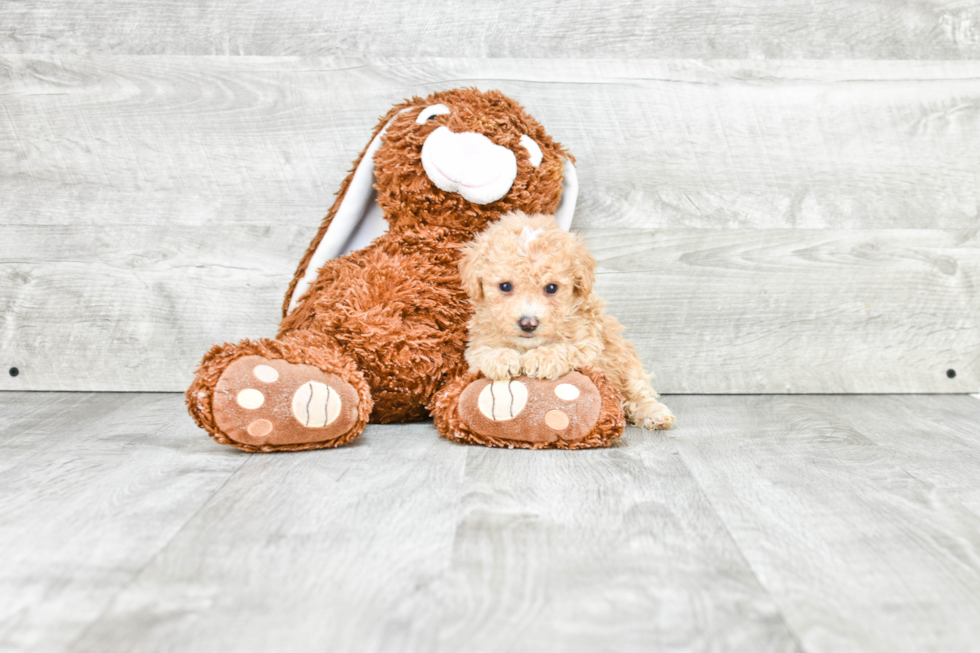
(532, 149)
(533, 309)
(469, 164)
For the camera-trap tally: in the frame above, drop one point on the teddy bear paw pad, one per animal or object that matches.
(536, 411)
(259, 401)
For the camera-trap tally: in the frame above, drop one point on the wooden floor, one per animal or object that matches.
(762, 523)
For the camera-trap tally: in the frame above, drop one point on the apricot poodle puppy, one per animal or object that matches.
(531, 285)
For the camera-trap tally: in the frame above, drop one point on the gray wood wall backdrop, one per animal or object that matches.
(783, 197)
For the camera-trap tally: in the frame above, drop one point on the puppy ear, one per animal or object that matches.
(584, 268)
(469, 269)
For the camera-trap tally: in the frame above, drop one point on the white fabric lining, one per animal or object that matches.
(569, 196)
(533, 150)
(358, 220)
(428, 112)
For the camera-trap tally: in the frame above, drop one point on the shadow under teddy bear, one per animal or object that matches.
(374, 321)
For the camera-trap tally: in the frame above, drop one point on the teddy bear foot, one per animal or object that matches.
(271, 403)
(576, 411)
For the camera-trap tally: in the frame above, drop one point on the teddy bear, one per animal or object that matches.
(374, 320)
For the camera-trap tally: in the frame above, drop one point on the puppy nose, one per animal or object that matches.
(528, 324)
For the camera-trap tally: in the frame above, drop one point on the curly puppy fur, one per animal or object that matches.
(531, 285)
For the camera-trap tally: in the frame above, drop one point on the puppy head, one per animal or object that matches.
(462, 158)
(526, 277)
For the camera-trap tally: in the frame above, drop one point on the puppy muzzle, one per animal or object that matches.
(528, 324)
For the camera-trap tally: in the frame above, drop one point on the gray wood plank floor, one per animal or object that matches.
(782, 523)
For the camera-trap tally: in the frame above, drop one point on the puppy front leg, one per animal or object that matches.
(643, 409)
(640, 399)
(496, 363)
(620, 361)
(549, 361)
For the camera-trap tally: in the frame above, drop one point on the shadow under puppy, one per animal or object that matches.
(531, 285)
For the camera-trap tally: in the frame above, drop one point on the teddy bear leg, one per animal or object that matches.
(274, 395)
(577, 411)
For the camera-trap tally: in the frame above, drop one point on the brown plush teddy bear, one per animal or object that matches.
(374, 322)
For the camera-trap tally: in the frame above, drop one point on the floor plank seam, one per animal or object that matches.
(741, 553)
(136, 574)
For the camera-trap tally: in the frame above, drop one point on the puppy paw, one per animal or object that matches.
(501, 364)
(652, 415)
(542, 363)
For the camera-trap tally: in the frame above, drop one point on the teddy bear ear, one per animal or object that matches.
(569, 196)
(357, 218)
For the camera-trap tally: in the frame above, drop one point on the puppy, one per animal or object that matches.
(536, 313)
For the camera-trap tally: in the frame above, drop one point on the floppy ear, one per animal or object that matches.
(354, 220)
(469, 269)
(584, 268)
(569, 196)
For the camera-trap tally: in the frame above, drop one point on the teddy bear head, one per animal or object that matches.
(462, 158)
(458, 160)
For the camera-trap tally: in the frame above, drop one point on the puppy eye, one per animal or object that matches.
(551, 288)
(506, 286)
(429, 113)
(533, 150)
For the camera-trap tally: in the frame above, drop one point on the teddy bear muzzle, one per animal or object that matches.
(469, 164)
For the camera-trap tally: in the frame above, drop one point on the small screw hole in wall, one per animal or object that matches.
(14, 371)
(951, 374)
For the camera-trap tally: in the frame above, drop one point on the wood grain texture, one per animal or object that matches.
(849, 510)
(164, 140)
(797, 311)
(92, 487)
(716, 311)
(153, 206)
(405, 542)
(769, 523)
(324, 550)
(604, 551)
(930, 29)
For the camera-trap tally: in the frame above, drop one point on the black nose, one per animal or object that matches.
(528, 324)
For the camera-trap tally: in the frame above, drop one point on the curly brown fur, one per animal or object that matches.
(409, 198)
(608, 428)
(394, 312)
(536, 313)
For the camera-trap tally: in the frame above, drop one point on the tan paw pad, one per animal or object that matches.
(556, 419)
(503, 400)
(566, 391)
(315, 405)
(260, 428)
(265, 373)
(250, 399)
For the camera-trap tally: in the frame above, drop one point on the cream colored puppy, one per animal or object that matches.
(536, 313)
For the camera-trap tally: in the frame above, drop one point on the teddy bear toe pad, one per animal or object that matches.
(535, 411)
(259, 401)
